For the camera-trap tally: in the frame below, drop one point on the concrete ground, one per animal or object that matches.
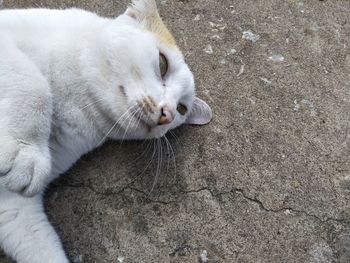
(268, 180)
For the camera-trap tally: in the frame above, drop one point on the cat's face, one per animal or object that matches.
(152, 86)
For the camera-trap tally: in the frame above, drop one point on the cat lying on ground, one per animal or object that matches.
(70, 80)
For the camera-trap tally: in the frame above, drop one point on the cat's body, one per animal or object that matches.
(69, 80)
(60, 65)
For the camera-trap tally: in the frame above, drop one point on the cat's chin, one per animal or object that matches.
(146, 132)
(150, 131)
(155, 133)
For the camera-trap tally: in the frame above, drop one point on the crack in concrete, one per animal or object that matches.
(284, 209)
(106, 193)
(255, 200)
(109, 193)
(264, 208)
(147, 196)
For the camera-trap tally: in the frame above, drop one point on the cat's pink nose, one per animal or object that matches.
(166, 117)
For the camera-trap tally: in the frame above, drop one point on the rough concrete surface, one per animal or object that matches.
(268, 180)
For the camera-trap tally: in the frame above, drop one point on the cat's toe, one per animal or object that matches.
(19, 175)
(29, 172)
(8, 152)
(40, 173)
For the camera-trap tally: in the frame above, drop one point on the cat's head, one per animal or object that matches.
(151, 83)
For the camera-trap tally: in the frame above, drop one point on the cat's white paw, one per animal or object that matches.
(24, 168)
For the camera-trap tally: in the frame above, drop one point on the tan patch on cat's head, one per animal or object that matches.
(146, 13)
(156, 25)
(148, 105)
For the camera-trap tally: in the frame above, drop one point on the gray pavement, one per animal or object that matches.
(268, 180)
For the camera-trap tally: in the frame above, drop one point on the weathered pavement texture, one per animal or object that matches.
(267, 181)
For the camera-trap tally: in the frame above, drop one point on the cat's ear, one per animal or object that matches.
(141, 9)
(145, 12)
(201, 113)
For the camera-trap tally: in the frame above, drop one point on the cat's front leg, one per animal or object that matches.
(25, 123)
(25, 232)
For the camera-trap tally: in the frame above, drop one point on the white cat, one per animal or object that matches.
(70, 80)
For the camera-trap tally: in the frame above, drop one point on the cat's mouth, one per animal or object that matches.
(151, 129)
(147, 122)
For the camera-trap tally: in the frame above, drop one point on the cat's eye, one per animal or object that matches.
(163, 65)
(182, 109)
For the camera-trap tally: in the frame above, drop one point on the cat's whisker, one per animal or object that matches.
(159, 165)
(172, 152)
(135, 177)
(90, 104)
(167, 152)
(161, 155)
(174, 136)
(127, 116)
(115, 124)
(126, 121)
(131, 120)
(156, 144)
(153, 154)
(122, 121)
(139, 117)
(144, 151)
(174, 156)
(151, 159)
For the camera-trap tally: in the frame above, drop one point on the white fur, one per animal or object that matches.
(60, 78)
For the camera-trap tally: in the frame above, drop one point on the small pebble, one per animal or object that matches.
(204, 256)
(209, 50)
(249, 35)
(276, 58)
